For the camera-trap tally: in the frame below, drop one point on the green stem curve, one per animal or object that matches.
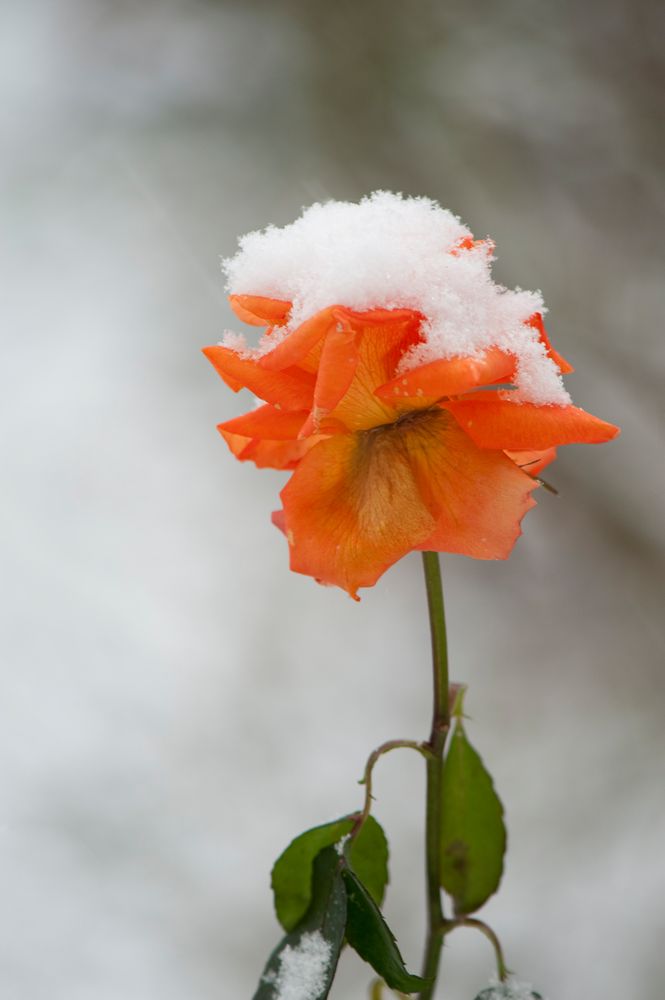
(436, 922)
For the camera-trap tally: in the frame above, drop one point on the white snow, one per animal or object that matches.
(341, 844)
(394, 252)
(510, 990)
(303, 969)
(235, 341)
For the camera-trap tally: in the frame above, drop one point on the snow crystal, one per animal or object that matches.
(341, 844)
(512, 989)
(303, 970)
(235, 342)
(394, 252)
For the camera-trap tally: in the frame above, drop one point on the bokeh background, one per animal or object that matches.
(176, 705)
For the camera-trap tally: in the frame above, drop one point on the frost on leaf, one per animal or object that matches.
(303, 969)
(302, 966)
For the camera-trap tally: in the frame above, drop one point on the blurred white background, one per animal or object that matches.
(175, 704)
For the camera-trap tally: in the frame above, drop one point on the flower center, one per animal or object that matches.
(412, 420)
(389, 448)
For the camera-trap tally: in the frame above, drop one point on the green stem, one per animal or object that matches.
(436, 923)
(480, 925)
(361, 818)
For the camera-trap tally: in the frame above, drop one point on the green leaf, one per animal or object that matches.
(369, 935)
(292, 872)
(368, 857)
(473, 836)
(308, 955)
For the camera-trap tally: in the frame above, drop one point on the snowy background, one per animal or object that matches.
(176, 705)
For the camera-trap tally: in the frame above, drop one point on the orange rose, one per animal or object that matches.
(386, 459)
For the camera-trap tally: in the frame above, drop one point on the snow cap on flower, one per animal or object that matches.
(399, 253)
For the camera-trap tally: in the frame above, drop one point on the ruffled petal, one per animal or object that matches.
(477, 497)
(295, 346)
(382, 338)
(339, 360)
(292, 389)
(532, 462)
(265, 454)
(536, 321)
(497, 423)
(351, 509)
(358, 502)
(449, 377)
(380, 317)
(257, 310)
(267, 423)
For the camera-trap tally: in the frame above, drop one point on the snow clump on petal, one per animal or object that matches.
(393, 252)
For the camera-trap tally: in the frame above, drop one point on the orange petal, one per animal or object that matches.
(379, 317)
(257, 310)
(337, 366)
(536, 321)
(468, 243)
(267, 423)
(236, 442)
(358, 502)
(295, 346)
(532, 462)
(449, 377)
(500, 424)
(351, 509)
(292, 389)
(477, 497)
(465, 243)
(382, 338)
(277, 518)
(265, 454)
